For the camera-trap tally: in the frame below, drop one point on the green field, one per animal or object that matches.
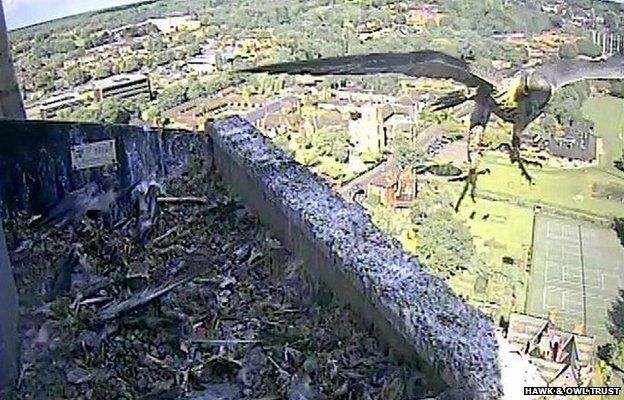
(569, 189)
(506, 232)
(608, 116)
(508, 229)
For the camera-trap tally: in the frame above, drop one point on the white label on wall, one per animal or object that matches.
(90, 155)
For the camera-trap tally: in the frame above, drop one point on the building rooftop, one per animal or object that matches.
(536, 337)
(388, 175)
(185, 107)
(58, 98)
(206, 58)
(115, 80)
(406, 100)
(574, 145)
(273, 107)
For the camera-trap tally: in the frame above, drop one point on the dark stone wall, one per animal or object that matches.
(35, 163)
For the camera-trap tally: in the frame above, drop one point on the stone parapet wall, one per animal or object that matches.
(416, 313)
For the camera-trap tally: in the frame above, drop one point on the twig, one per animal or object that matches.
(137, 275)
(286, 311)
(95, 287)
(140, 299)
(224, 342)
(156, 361)
(165, 235)
(173, 247)
(188, 199)
(121, 223)
(276, 365)
(94, 300)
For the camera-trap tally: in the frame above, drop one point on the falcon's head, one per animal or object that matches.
(536, 93)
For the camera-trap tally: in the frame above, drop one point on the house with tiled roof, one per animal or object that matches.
(192, 114)
(562, 358)
(576, 146)
(418, 17)
(278, 124)
(392, 186)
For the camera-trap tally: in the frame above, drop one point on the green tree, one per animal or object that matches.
(549, 124)
(605, 352)
(567, 102)
(444, 244)
(172, 96)
(408, 154)
(80, 115)
(617, 89)
(102, 70)
(331, 142)
(155, 44)
(165, 57)
(615, 324)
(340, 147)
(611, 20)
(219, 62)
(588, 48)
(619, 164)
(568, 51)
(400, 19)
(584, 4)
(63, 45)
(130, 64)
(112, 112)
(307, 157)
(76, 75)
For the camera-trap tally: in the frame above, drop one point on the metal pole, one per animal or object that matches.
(11, 105)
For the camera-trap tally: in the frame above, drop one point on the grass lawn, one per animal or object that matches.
(506, 232)
(608, 116)
(571, 188)
(568, 189)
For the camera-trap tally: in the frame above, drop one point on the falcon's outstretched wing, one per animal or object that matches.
(428, 64)
(565, 72)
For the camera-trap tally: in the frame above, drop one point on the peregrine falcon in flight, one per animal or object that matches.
(518, 99)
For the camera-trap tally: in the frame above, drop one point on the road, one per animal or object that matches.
(427, 135)
(363, 179)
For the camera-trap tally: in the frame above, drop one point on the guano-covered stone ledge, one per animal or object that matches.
(416, 314)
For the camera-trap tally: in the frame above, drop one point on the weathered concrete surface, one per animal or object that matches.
(8, 318)
(416, 313)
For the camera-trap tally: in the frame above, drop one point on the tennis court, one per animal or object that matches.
(576, 272)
